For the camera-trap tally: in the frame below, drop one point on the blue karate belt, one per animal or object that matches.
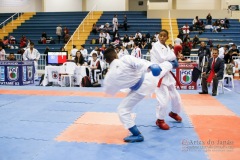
(138, 84)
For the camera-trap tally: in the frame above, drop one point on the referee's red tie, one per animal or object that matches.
(212, 73)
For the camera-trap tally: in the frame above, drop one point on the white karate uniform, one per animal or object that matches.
(73, 53)
(122, 53)
(125, 73)
(2, 55)
(84, 53)
(136, 52)
(160, 54)
(115, 24)
(28, 55)
(102, 37)
(185, 29)
(108, 38)
(221, 52)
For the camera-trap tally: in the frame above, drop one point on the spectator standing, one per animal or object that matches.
(32, 54)
(66, 38)
(125, 22)
(65, 31)
(209, 19)
(115, 23)
(203, 51)
(59, 32)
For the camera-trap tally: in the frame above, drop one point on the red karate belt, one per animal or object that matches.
(177, 81)
(212, 73)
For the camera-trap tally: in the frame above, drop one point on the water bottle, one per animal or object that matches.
(24, 73)
(2, 70)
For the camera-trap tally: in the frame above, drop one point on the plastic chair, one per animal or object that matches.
(69, 71)
(221, 86)
(230, 77)
(221, 81)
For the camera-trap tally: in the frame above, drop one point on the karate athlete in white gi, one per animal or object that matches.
(32, 54)
(115, 23)
(133, 73)
(161, 53)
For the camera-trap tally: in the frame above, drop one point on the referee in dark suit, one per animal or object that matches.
(214, 72)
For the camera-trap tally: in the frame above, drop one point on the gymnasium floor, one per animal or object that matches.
(53, 123)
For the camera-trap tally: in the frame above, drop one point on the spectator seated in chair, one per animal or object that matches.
(94, 64)
(185, 29)
(214, 72)
(11, 57)
(195, 41)
(178, 52)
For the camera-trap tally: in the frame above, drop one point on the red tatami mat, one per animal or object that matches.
(96, 127)
(109, 134)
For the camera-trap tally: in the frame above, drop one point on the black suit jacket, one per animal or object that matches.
(218, 67)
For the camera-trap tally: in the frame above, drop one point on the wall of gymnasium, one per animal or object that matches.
(62, 5)
(106, 5)
(190, 8)
(13, 6)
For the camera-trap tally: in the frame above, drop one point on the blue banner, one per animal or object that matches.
(16, 73)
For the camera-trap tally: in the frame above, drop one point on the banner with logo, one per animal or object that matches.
(16, 73)
(184, 75)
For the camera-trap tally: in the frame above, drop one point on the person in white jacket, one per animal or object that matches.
(133, 73)
(32, 54)
(167, 85)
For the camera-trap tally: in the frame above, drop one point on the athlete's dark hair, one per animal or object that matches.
(110, 55)
(164, 30)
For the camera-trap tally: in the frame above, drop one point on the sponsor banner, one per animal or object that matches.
(184, 75)
(16, 72)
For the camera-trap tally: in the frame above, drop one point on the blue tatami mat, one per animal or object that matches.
(229, 100)
(32, 130)
(146, 115)
(84, 151)
(164, 145)
(20, 149)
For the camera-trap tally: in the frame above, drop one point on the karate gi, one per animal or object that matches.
(136, 52)
(167, 89)
(28, 55)
(125, 73)
(115, 24)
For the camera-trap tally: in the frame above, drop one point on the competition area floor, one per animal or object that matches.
(54, 123)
